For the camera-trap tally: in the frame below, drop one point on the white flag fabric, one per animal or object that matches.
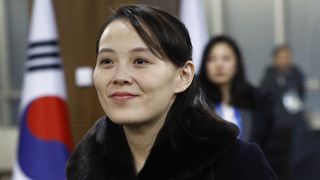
(192, 14)
(45, 141)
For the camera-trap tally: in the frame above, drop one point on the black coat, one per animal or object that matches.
(104, 154)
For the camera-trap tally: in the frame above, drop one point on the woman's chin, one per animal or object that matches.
(221, 81)
(125, 121)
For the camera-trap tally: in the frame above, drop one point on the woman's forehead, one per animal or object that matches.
(121, 34)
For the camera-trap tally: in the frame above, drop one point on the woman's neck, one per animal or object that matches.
(140, 139)
(225, 93)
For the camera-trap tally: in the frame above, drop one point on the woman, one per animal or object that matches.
(157, 125)
(222, 77)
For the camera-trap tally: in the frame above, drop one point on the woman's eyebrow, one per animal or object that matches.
(106, 50)
(137, 49)
(140, 49)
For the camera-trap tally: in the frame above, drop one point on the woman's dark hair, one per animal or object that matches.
(166, 36)
(241, 90)
(156, 28)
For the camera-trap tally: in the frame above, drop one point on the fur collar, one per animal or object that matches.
(104, 153)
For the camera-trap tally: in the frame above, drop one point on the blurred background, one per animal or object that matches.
(256, 25)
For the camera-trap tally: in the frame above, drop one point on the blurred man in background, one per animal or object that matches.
(283, 83)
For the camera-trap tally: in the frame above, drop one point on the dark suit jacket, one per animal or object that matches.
(105, 154)
(279, 143)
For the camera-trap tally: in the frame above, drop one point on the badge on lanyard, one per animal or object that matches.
(292, 102)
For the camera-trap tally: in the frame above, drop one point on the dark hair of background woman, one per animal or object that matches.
(168, 38)
(241, 90)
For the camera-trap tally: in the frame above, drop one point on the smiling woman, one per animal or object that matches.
(124, 77)
(157, 124)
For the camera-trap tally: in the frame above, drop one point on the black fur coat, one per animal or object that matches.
(104, 154)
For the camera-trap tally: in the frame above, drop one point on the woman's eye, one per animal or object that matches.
(212, 59)
(106, 61)
(140, 61)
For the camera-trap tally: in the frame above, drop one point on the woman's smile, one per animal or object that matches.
(122, 97)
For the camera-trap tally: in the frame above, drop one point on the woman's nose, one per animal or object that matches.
(220, 63)
(122, 76)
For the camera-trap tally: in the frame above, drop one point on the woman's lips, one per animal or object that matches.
(123, 96)
(219, 74)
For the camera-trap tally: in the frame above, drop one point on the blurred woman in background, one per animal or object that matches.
(222, 76)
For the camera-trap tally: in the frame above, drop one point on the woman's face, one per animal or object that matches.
(134, 86)
(221, 65)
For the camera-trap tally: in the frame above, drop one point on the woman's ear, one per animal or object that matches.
(185, 77)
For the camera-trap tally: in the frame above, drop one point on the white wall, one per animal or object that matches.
(8, 144)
